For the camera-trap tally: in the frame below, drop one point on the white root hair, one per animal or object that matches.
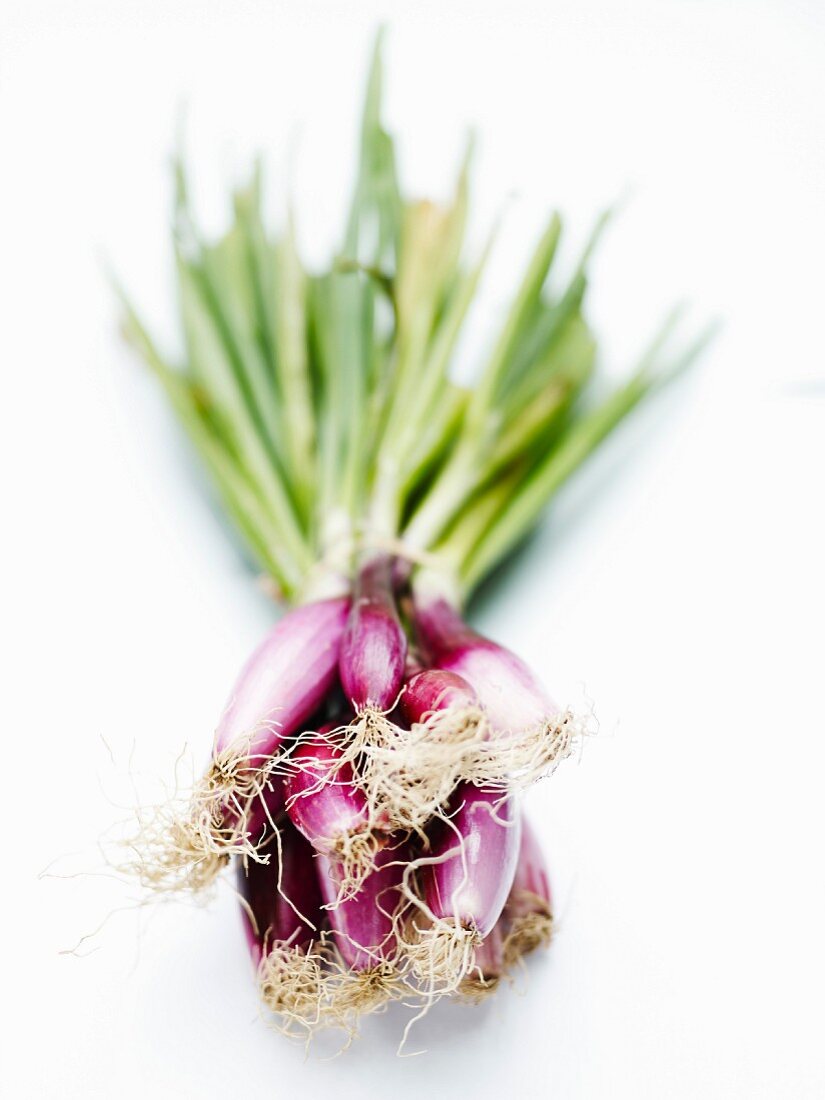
(440, 957)
(182, 845)
(291, 988)
(529, 929)
(478, 986)
(352, 994)
(408, 775)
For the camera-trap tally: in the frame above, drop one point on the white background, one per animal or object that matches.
(678, 583)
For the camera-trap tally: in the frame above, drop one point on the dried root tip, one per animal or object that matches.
(441, 957)
(519, 759)
(354, 855)
(291, 986)
(178, 860)
(183, 845)
(477, 987)
(527, 933)
(487, 968)
(355, 993)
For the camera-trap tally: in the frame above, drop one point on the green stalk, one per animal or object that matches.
(523, 307)
(260, 267)
(539, 420)
(239, 495)
(216, 277)
(526, 373)
(293, 368)
(461, 473)
(279, 308)
(442, 428)
(584, 436)
(246, 427)
(343, 329)
(376, 193)
(356, 351)
(523, 511)
(474, 521)
(323, 407)
(331, 427)
(572, 351)
(433, 384)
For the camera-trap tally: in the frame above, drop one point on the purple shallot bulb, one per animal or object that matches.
(513, 698)
(282, 918)
(184, 848)
(529, 908)
(325, 804)
(374, 646)
(529, 734)
(433, 690)
(284, 681)
(363, 930)
(487, 965)
(464, 883)
(282, 897)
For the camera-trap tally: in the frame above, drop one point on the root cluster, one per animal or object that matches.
(408, 775)
(181, 846)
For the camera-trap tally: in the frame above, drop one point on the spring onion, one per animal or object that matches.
(367, 773)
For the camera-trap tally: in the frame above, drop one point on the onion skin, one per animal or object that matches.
(276, 920)
(530, 892)
(528, 913)
(364, 922)
(486, 831)
(284, 681)
(513, 699)
(324, 811)
(374, 646)
(488, 957)
(433, 690)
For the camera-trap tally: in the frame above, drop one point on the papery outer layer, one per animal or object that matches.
(481, 845)
(285, 679)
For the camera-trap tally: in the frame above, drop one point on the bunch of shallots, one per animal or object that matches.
(373, 804)
(367, 770)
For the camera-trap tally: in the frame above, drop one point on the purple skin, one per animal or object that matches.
(285, 680)
(510, 694)
(324, 814)
(374, 646)
(276, 920)
(435, 690)
(363, 923)
(530, 892)
(473, 890)
(488, 957)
